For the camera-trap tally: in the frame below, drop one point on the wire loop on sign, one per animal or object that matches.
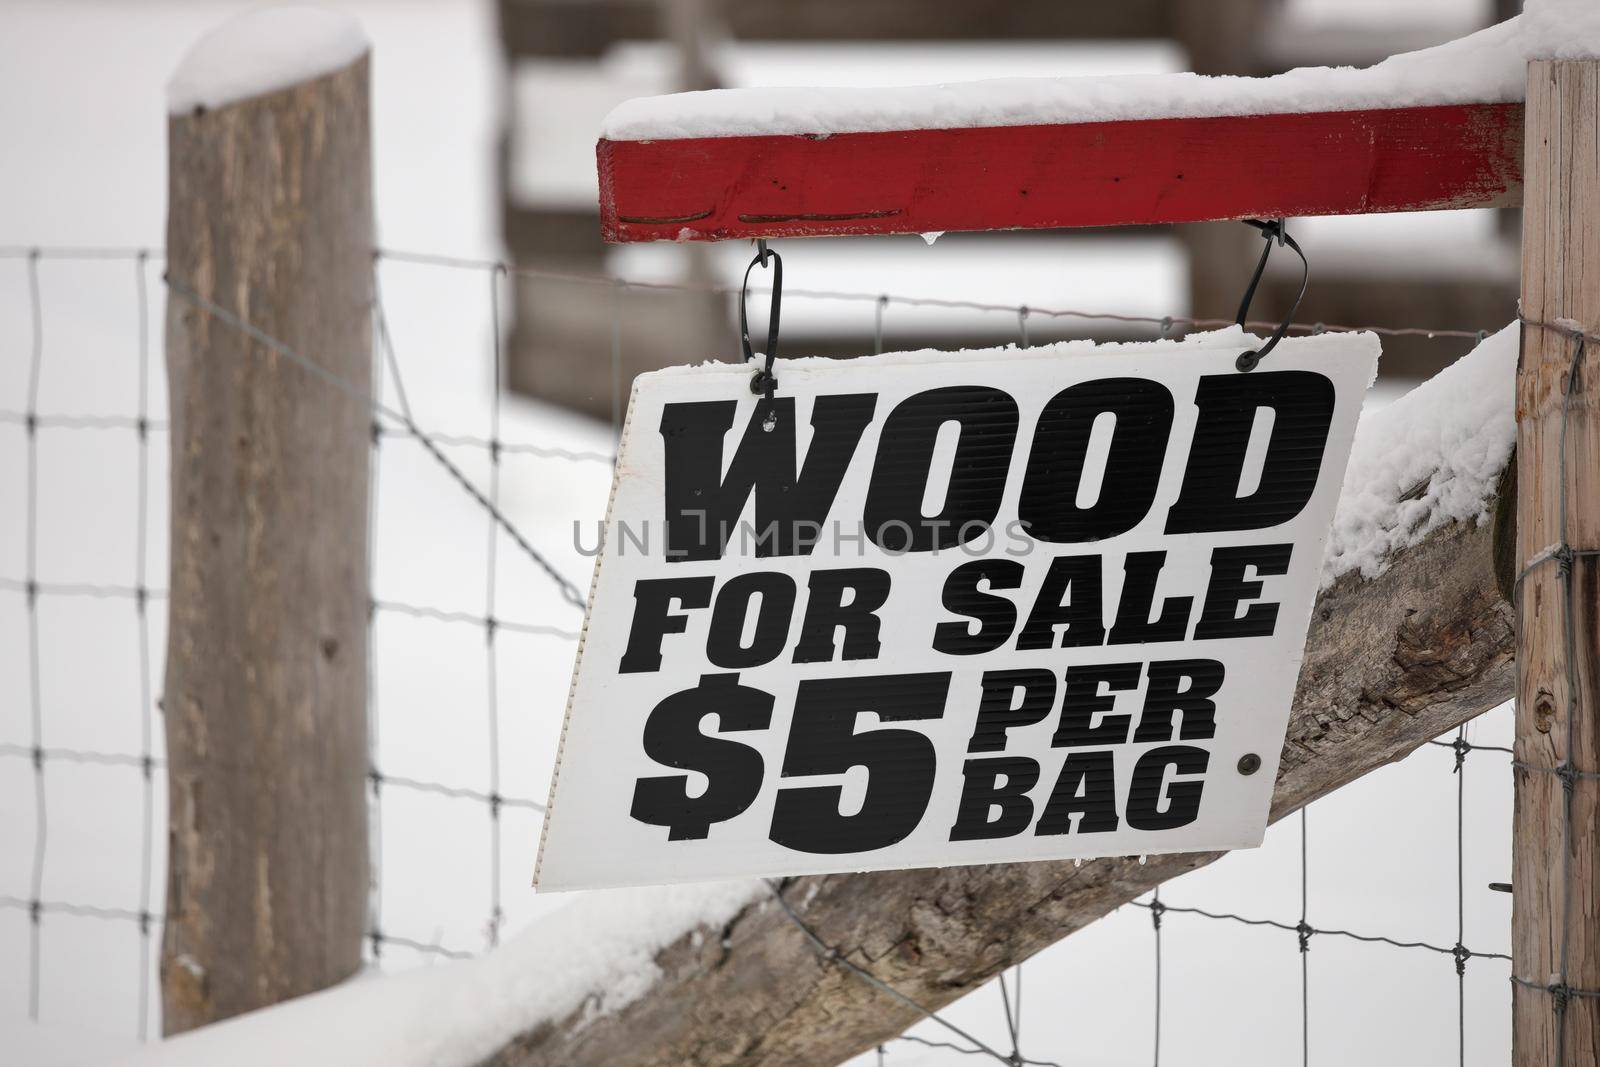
(1271, 230)
(764, 382)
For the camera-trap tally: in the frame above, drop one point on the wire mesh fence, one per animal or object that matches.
(538, 605)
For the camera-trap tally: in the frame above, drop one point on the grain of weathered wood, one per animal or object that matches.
(1389, 663)
(1556, 876)
(269, 216)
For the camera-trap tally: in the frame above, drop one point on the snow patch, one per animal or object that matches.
(1489, 66)
(598, 954)
(1432, 457)
(261, 52)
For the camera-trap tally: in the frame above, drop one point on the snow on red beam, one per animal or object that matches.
(1438, 128)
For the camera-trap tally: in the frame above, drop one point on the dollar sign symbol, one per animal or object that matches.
(672, 737)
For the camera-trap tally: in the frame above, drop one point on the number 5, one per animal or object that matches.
(823, 740)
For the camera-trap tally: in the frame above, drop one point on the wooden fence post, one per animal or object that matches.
(1556, 851)
(270, 219)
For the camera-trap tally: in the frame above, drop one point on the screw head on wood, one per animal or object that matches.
(1249, 763)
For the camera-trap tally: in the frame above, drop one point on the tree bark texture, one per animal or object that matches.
(1390, 663)
(270, 217)
(1556, 852)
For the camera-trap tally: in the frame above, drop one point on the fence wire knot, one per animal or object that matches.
(1304, 930)
(1157, 909)
(1462, 954)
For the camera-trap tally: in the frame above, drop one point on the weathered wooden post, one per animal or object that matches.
(1556, 915)
(269, 220)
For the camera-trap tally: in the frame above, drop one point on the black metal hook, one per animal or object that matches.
(764, 381)
(1271, 230)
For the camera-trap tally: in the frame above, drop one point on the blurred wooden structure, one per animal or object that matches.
(563, 348)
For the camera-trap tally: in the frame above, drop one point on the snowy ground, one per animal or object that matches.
(84, 117)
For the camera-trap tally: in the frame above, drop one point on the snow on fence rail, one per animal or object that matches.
(1387, 513)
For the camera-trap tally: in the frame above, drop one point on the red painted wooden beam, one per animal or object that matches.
(1084, 174)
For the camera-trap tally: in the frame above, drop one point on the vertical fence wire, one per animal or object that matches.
(1305, 948)
(1017, 978)
(492, 655)
(142, 607)
(375, 454)
(1156, 908)
(1011, 1014)
(31, 572)
(1461, 749)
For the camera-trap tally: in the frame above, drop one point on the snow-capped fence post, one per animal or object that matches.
(269, 248)
(1556, 852)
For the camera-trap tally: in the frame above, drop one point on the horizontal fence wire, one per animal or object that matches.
(1164, 323)
(392, 424)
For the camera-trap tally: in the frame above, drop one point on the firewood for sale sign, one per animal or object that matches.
(927, 609)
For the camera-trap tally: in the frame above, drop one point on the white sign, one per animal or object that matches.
(932, 609)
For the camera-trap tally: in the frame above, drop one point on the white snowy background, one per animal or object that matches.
(83, 118)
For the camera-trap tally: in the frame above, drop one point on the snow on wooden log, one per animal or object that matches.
(1062, 175)
(263, 51)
